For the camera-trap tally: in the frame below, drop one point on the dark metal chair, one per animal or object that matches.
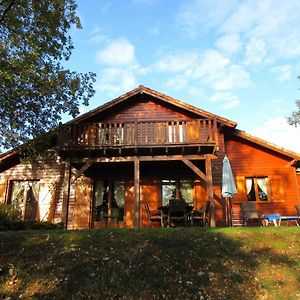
(177, 213)
(114, 216)
(200, 216)
(298, 209)
(154, 216)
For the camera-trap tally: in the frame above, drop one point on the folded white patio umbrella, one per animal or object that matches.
(228, 188)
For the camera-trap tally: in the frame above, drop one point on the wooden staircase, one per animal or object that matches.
(237, 216)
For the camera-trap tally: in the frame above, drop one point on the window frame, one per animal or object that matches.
(177, 184)
(21, 207)
(256, 189)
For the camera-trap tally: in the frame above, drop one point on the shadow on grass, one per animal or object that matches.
(136, 264)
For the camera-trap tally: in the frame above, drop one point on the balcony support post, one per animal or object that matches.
(136, 192)
(210, 190)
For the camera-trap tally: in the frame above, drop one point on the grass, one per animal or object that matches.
(193, 263)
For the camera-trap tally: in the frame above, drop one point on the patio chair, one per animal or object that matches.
(114, 216)
(177, 213)
(154, 216)
(298, 209)
(200, 216)
(250, 215)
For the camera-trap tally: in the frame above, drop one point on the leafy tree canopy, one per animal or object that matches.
(294, 119)
(35, 89)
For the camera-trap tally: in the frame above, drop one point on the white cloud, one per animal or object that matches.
(115, 81)
(210, 68)
(210, 64)
(277, 131)
(98, 36)
(283, 73)
(118, 52)
(226, 99)
(178, 62)
(218, 71)
(233, 77)
(265, 27)
(255, 52)
(230, 43)
(197, 16)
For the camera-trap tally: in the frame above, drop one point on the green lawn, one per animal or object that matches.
(193, 263)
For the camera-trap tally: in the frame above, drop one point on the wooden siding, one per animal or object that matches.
(254, 161)
(49, 173)
(145, 111)
(80, 203)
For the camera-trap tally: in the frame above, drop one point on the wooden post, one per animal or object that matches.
(136, 192)
(66, 194)
(210, 191)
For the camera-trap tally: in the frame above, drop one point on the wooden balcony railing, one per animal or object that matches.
(145, 133)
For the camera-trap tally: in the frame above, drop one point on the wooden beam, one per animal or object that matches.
(210, 191)
(105, 159)
(66, 194)
(142, 158)
(80, 172)
(171, 157)
(136, 192)
(195, 169)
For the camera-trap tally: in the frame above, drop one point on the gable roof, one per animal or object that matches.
(160, 96)
(265, 144)
(170, 100)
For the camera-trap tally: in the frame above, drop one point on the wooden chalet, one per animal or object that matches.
(147, 147)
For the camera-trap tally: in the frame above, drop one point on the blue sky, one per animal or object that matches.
(237, 59)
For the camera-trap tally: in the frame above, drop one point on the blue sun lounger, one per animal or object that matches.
(277, 219)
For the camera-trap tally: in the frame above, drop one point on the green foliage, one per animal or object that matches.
(294, 119)
(9, 216)
(10, 219)
(35, 89)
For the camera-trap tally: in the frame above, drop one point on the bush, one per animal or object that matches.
(10, 219)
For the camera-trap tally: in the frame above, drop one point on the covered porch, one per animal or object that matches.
(98, 187)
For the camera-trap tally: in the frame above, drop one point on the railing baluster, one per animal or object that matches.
(136, 133)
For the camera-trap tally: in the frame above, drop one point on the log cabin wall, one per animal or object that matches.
(49, 174)
(147, 110)
(251, 160)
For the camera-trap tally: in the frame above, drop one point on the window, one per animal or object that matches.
(257, 189)
(24, 196)
(108, 195)
(186, 190)
(174, 189)
(175, 133)
(168, 191)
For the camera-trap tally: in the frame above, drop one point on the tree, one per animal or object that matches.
(35, 88)
(294, 119)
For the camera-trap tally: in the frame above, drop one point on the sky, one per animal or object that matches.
(237, 59)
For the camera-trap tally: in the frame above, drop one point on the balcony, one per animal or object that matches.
(144, 134)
